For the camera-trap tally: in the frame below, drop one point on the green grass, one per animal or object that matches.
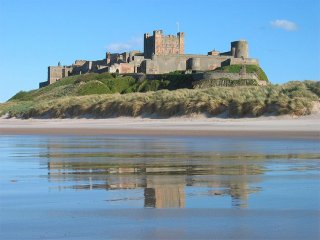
(93, 87)
(104, 83)
(225, 82)
(296, 98)
(249, 69)
(23, 96)
(19, 109)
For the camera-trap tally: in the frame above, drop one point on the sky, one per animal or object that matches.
(283, 34)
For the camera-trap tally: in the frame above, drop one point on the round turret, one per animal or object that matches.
(239, 49)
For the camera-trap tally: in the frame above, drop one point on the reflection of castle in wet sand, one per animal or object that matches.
(162, 192)
(165, 173)
(162, 189)
(164, 197)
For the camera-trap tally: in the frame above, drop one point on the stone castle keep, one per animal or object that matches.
(162, 54)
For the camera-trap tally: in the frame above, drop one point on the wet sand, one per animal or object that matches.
(170, 224)
(158, 187)
(265, 127)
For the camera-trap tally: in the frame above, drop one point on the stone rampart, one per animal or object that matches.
(231, 76)
(194, 62)
(240, 61)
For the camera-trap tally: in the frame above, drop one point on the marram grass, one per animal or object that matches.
(294, 98)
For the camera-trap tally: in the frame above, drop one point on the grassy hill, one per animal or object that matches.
(106, 95)
(110, 95)
(104, 83)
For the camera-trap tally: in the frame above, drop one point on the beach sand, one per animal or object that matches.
(44, 182)
(307, 127)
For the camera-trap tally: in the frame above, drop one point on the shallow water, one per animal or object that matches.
(108, 187)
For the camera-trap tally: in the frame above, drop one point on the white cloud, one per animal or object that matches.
(125, 46)
(284, 24)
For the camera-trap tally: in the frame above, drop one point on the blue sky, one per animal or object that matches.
(283, 34)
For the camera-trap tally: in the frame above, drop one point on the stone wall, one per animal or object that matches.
(211, 79)
(181, 42)
(79, 62)
(126, 68)
(57, 72)
(231, 76)
(171, 63)
(96, 65)
(67, 71)
(54, 73)
(122, 68)
(240, 61)
(207, 78)
(165, 64)
(88, 66)
(205, 63)
(43, 84)
(167, 45)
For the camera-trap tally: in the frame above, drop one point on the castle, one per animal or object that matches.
(162, 54)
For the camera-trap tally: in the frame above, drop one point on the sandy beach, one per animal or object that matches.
(307, 127)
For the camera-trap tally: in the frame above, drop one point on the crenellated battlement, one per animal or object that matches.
(160, 44)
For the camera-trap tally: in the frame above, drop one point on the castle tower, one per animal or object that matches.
(181, 42)
(158, 35)
(160, 45)
(239, 49)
